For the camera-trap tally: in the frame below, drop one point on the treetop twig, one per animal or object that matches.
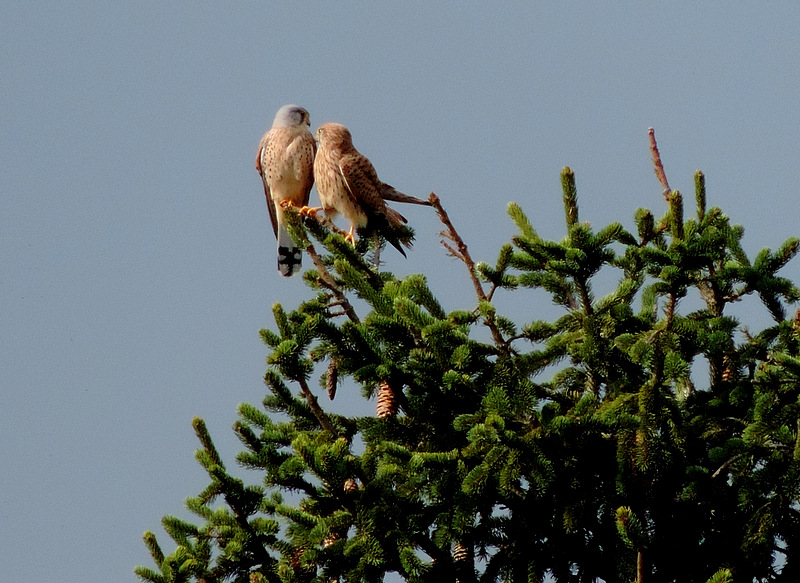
(461, 252)
(658, 167)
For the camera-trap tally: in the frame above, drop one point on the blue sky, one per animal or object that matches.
(138, 263)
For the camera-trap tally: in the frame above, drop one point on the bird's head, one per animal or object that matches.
(334, 135)
(291, 115)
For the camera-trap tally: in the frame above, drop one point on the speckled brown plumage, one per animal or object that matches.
(286, 163)
(348, 185)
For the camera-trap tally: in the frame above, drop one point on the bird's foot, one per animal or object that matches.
(307, 211)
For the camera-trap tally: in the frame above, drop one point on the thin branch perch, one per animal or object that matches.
(461, 252)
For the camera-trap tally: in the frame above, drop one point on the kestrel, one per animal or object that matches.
(348, 185)
(286, 163)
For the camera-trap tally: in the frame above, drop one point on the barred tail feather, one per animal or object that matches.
(289, 255)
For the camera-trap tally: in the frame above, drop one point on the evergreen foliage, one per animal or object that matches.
(589, 448)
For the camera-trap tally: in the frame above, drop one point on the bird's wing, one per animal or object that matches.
(362, 182)
(365, 189)
(263, 151)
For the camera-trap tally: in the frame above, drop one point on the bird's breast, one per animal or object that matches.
(336, 198)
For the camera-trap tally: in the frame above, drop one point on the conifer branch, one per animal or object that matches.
(490, 295)
(669, 310)
(201, 431)
(570, 196)
(478, 434)
(675, 201)
(728, 463)
(586, 299)
(326, 279)
(154, 548)
(700, 193)
(313, 403)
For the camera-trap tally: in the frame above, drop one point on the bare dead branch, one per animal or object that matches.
(658, 167)
(461, 252)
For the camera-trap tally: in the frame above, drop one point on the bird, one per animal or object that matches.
(285, 161)
(348, 184)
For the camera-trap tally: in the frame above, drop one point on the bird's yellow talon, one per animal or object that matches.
(307, 211)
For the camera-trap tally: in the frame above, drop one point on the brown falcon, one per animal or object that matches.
(348, 185)
(286, 163)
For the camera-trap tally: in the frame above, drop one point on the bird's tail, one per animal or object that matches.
(398, 232)
(389, 192)
(394, 218)
(391, 225)
(289, 254)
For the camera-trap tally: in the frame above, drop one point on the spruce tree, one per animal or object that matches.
(592, 447)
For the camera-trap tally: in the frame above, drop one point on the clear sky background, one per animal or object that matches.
(137, 263)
